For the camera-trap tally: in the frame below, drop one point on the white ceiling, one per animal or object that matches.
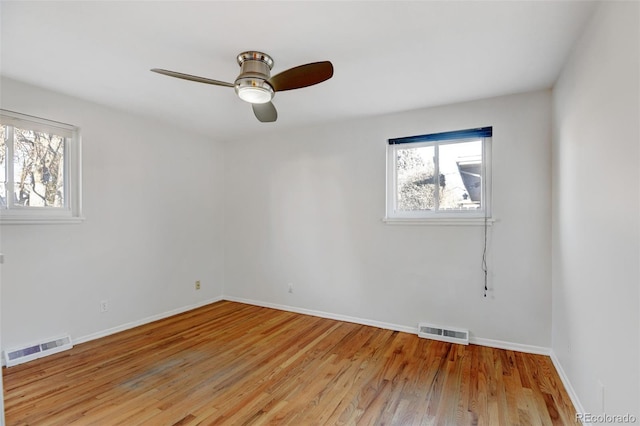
(388, 56)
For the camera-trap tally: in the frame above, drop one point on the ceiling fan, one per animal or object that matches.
(255, 84)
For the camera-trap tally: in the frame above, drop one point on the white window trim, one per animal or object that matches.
(72, 211)
(444, 221)
(439, 218)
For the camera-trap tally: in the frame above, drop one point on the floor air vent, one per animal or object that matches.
(38, 350)
(446, 334)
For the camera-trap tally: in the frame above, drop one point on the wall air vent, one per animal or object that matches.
(445, 334)
(37, 350)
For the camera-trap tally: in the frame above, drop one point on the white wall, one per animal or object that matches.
(153, 208)
(305, 207)
(596, 214)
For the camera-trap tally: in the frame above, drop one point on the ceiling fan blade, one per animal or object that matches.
(191, 77)
(266, 112)
(302, 76)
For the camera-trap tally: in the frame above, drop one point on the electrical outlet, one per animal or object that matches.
(104, 306)
(290, 288)
(198, 285)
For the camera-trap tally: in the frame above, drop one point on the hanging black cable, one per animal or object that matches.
(484, 255)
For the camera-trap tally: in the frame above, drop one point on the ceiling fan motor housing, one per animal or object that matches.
(255, 84)
(255, 69)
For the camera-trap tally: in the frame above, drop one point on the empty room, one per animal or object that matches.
(320, 213)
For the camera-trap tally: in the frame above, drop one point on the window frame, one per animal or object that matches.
(439, 217)
(71, 212)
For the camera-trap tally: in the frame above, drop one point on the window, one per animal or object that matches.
(39, 169)
(439, 176)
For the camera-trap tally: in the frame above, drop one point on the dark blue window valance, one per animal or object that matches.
(481, 132)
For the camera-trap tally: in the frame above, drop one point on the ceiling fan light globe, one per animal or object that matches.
(254, 91)
(254, 95)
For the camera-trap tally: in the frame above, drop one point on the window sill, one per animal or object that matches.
(439, 221)
(47, 220)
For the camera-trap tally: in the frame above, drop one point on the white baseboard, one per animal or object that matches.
(321, 314)
(356, 320)
(510, 346)
(143, 321)
(519, 347)
(567, 385)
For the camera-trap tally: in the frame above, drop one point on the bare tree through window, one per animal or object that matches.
(38, 168)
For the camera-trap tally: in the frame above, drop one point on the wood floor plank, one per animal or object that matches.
(235, 364)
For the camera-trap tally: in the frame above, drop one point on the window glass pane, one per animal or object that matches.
(416, 187)
(38, 169)
(460, 167)
(3, 167)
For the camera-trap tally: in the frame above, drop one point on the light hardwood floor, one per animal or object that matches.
(235, 364)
